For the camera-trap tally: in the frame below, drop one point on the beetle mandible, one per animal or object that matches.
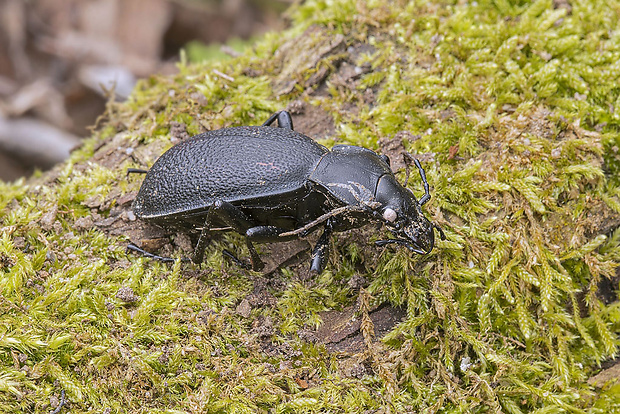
(272, 184)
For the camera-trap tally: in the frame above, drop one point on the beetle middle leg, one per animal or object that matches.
(321, 250)
(233, 217)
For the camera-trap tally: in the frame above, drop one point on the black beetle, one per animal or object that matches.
(274, 184)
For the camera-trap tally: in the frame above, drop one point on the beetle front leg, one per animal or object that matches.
(321, 250)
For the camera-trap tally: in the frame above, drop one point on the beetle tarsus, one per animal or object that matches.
(136, 171)
(256, 264)
(144, 253)
(236, 260)
(61, 403)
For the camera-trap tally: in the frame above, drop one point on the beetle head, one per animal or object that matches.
(402, 215)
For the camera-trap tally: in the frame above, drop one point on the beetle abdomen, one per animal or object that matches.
(229, 164)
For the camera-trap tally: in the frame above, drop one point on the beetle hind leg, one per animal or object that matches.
(144, 253)
(284, 120)
(136, 171)
(232, 216)
(201, 245)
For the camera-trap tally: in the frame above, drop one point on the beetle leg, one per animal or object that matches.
(144, 253)
(231, 216)
(136, 171)
(267, 234)
(226, 212)
(234, 218)
(321, 250)
(441, 233)
(199, 250)
(236, 260)
(284, 120)
(256, 264)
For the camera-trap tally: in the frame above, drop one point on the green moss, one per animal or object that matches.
(515, 105)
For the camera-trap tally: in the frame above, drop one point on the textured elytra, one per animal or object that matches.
(229, 164)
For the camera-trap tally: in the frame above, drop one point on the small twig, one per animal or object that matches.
(230, 51)
(63, 400)
(320, 220)
(223, 75)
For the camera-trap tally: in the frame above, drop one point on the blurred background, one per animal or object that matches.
(60, 58)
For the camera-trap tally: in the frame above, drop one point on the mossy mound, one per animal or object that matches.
(514, 109)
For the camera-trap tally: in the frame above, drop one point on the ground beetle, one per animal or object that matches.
(274, 184)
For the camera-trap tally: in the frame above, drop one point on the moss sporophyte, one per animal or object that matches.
(513, 109)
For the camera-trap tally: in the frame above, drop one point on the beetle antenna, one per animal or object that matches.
(441, 233)
(427, 194)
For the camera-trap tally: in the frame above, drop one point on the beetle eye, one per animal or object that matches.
(389, 215)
